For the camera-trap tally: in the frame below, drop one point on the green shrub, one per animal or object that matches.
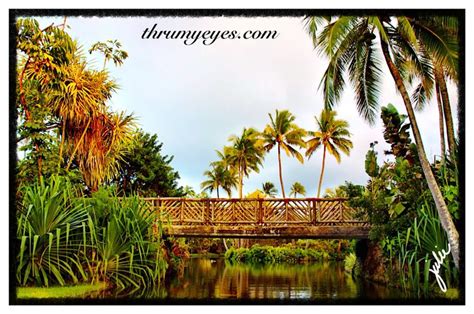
(64, 237)
(269, 254)
(51, 222)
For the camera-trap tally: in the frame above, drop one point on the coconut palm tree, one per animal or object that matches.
(245, 154)
(286, 135)
(297, 188)
(333, 135)
(349, 42)
(438, 38)
(215, 179)
(269, 189)
(230, 180)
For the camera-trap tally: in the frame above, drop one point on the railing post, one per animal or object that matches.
(318, 210)
(314, 219)
(207, 211)
(342, 210)
(260, 212)
(315, 212)
(181, 213)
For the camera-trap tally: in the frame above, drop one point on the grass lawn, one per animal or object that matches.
(75, 291)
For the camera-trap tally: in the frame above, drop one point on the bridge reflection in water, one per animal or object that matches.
(260, 218)
(217, 279)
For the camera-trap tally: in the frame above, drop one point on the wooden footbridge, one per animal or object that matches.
(260, 218)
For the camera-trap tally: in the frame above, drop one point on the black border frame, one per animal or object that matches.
(14, 13)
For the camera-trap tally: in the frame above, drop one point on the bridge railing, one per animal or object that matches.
(269, 211)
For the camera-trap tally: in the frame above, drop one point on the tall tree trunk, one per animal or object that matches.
(241, 181)
(444, 215)
(279, 169)
(218, 192)
(448, 116)
(322, 171)
(441, 122)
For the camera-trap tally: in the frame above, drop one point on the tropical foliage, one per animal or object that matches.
(59, 92)
(65, 238)
(350, 43)
(146, 171)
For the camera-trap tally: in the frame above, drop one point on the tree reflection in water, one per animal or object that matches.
(216, 278)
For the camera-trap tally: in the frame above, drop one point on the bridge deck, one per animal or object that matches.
(260, 218)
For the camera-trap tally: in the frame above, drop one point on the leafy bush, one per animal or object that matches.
(125, 251)
(413, 249)
(104, 238)
(50, 222)
(269, 254)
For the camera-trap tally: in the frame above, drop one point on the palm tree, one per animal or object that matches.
(297, 188)
(269, 189)
(102, 146)
(245, 154)
(111, 51)
(283, 133)
(350, 42)
(215, 179)
(78, 101)
(219, 176)
(230, 179)
(438, 36)
(333, 135)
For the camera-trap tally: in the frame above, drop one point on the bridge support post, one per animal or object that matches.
(260, 212)
(316, 212)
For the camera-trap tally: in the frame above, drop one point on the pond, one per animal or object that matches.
(216, 278)
(206, 279)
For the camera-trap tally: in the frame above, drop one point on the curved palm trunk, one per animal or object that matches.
(448, 116)
(217, 191)
(322, 172)
(441, 122)
(444, 215)
(279, 169)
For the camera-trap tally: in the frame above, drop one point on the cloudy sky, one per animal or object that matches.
(195, 96)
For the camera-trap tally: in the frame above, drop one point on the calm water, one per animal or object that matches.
(204, 278)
